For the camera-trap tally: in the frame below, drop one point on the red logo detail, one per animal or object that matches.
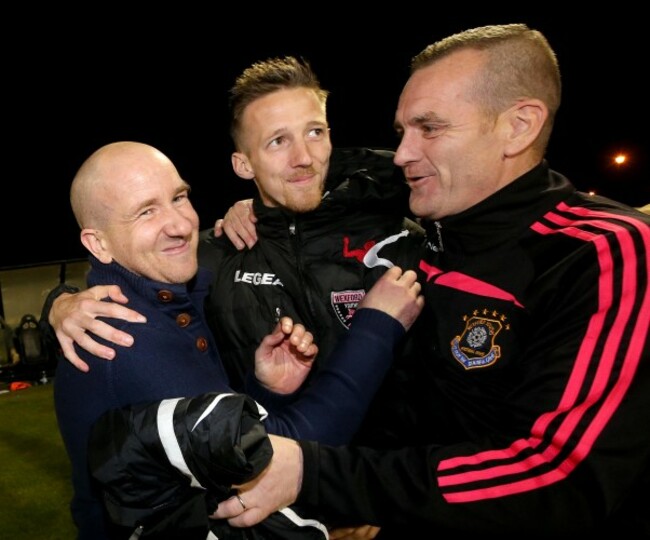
(357, 254)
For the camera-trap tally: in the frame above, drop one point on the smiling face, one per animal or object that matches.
(141, 215)
(285, 148)
(451, 151)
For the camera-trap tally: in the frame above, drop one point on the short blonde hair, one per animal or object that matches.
(266, 77)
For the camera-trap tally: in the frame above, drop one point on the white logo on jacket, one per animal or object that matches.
(257, 278)
(372, 258)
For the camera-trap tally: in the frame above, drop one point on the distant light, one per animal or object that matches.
(592, 193)
(619, 159)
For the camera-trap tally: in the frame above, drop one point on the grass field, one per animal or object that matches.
(35, 486)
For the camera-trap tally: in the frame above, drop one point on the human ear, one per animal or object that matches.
(523, 123)
(94, 242)
(242, 166)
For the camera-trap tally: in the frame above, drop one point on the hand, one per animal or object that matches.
(239, 224)
(284, 358)
(276, 487)
(397, 294)
(354, 533)
(74, 315)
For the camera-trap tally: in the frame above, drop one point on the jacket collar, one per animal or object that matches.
(503, 215)
(115, 273)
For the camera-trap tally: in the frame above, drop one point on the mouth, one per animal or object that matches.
(413, 180)
(413, 177)
(178, 248)
(303, 178)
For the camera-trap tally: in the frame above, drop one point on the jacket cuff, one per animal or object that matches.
(308, 495)
(268, 398)
(378, 322)
(43, 324)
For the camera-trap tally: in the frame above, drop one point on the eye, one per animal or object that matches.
(182, 196)
(277, 141)
(316, 132)
(146, 212)
(433, 129)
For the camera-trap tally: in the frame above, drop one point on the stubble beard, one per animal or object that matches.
(303, 202)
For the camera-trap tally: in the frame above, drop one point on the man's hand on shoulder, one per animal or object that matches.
(239, 225)
(73, 316)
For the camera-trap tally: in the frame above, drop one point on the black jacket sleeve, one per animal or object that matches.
(163, 467)
(153, 459)
(49, 337)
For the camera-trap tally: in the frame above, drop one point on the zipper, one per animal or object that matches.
(294, 234)
(433, 246)
(441, 247)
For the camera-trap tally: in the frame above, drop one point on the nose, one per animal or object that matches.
(300, 154)
(180, 221)
(406, 152)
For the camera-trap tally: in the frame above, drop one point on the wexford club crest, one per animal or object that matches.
(476, 347)
(344, 304)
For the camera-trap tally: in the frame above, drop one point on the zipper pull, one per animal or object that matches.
(441, 248)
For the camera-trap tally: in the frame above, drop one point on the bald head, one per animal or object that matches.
(103, 172)
(133, 208)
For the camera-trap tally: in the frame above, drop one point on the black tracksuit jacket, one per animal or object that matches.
(525, 407)
(308, 266)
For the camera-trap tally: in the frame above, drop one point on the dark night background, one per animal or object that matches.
(162, 78)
